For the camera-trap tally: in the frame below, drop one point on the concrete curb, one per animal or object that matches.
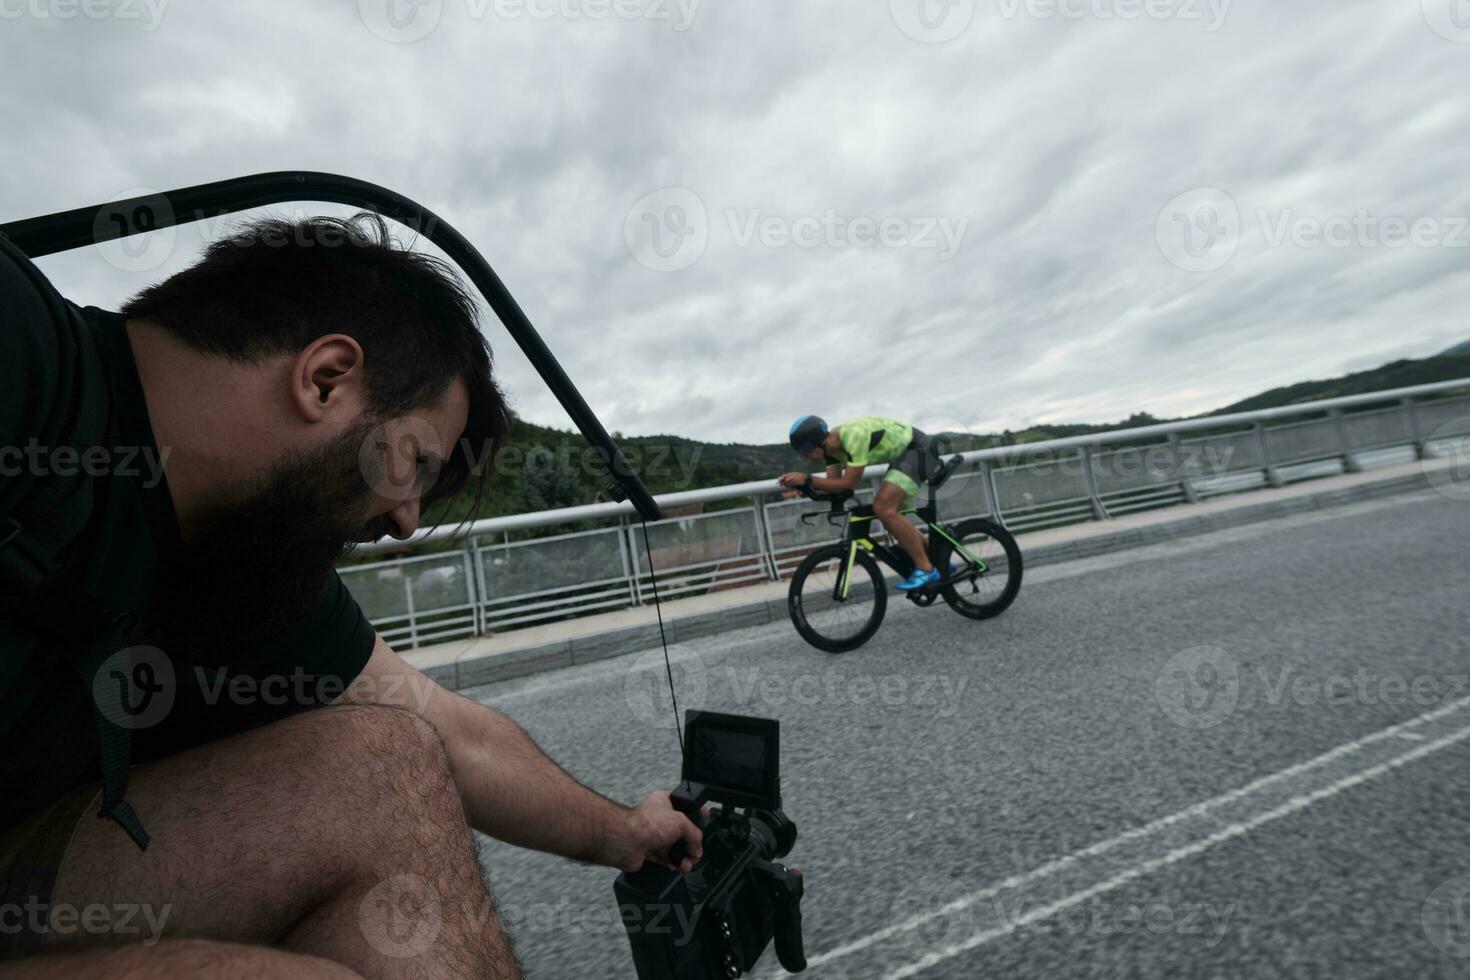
(507, 664)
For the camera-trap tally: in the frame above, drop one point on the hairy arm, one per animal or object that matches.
(512, 790)
(839, 478)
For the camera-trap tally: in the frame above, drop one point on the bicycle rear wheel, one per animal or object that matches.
(996, 579)
(827, 616)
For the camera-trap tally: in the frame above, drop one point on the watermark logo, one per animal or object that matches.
(142, 923)
(1199, 687)
(932, 21)
(1202, 686)
(401, 916)
(1446, 917)
(135, 687)
(400, 459)
(400, 21)
(668, 230)
(1199, 230)
(149, 12)
(929, 916)
(1448, 469)
(646, 684)
(146, 224)
(1450, 19)
(832, 229)
(1209, 13)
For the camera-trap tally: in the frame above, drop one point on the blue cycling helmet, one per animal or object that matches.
(807, 433)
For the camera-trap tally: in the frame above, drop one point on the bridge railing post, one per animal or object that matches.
(1416, 433)
(1098, 510)
(1191, 495)
(1273, 475)
(1349, 463)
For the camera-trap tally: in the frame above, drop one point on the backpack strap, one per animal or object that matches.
(33, 540)
(113, 738)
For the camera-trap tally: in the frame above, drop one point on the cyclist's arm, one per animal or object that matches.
(850, 477)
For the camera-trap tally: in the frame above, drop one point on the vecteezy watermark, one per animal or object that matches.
(1198, 687)
(134, 230)
(401, 458)
(1210, 14)
(757, 688)
(135, 688)
(1203, 920)
(402, 916)
(120, 919)
(138, 686)
(657, 462)
(1449, 443)
(646, 684)
(669, 230)
(762, 690)
(931, 916)
(406, 21)
(835, 230)
(1450, 19)
(149, 13)
(1201, 230)
(1361, 229)
(1202, 686)
(1445, 917)
(938, 21)
(563, 918)
(34, 459)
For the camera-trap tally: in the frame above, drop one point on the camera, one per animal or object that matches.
(716, 920)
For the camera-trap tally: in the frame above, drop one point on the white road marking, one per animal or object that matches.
(1293, 805)
(1163, 823)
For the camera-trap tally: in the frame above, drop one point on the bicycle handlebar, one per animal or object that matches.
(811, 493)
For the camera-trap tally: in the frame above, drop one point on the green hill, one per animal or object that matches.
(542, 468)
(1398, 374)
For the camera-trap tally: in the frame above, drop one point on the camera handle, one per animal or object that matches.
(688, 798)
(787, 889)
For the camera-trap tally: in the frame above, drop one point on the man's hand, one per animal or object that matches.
(652, 827)
(792, 479)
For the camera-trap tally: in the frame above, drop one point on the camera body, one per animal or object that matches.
(718, 919)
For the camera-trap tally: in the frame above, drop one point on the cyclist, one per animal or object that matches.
(853, 446)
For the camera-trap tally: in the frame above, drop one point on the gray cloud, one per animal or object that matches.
(1054, 142)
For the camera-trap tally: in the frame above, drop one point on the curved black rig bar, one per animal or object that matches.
(66, 230)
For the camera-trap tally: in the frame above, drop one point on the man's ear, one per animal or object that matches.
(327, 378)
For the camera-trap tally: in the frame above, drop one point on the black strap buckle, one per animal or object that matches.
(21, 568)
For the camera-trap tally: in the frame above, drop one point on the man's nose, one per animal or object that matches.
(405, 518)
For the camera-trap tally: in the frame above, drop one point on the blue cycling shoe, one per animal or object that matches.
(919, 580)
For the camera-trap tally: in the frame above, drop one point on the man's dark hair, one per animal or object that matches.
(274, 286)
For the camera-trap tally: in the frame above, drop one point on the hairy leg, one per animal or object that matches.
(183, 959)
(336, 833)
(886, 504)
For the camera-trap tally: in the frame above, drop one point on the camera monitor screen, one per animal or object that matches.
(735, 756)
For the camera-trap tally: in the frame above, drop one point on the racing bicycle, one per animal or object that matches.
(838, 595)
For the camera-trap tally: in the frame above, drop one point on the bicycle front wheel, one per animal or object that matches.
(995, 563)
(832, 611)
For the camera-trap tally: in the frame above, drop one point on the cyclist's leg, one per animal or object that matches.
(892, 493)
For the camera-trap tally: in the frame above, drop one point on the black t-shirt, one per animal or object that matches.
(47, 726)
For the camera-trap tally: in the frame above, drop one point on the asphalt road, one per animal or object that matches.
(1241, 755)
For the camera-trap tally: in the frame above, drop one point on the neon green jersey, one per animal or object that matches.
(870, 441)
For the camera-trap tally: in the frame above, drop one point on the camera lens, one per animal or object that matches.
(773, 834)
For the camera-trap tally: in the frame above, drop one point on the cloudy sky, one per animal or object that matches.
(968, 213)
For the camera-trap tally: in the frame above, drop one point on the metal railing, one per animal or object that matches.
(499, 579)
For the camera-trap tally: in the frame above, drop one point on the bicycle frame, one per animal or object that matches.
(857, 535)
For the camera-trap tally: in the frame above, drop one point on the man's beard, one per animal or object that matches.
(259, 567)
